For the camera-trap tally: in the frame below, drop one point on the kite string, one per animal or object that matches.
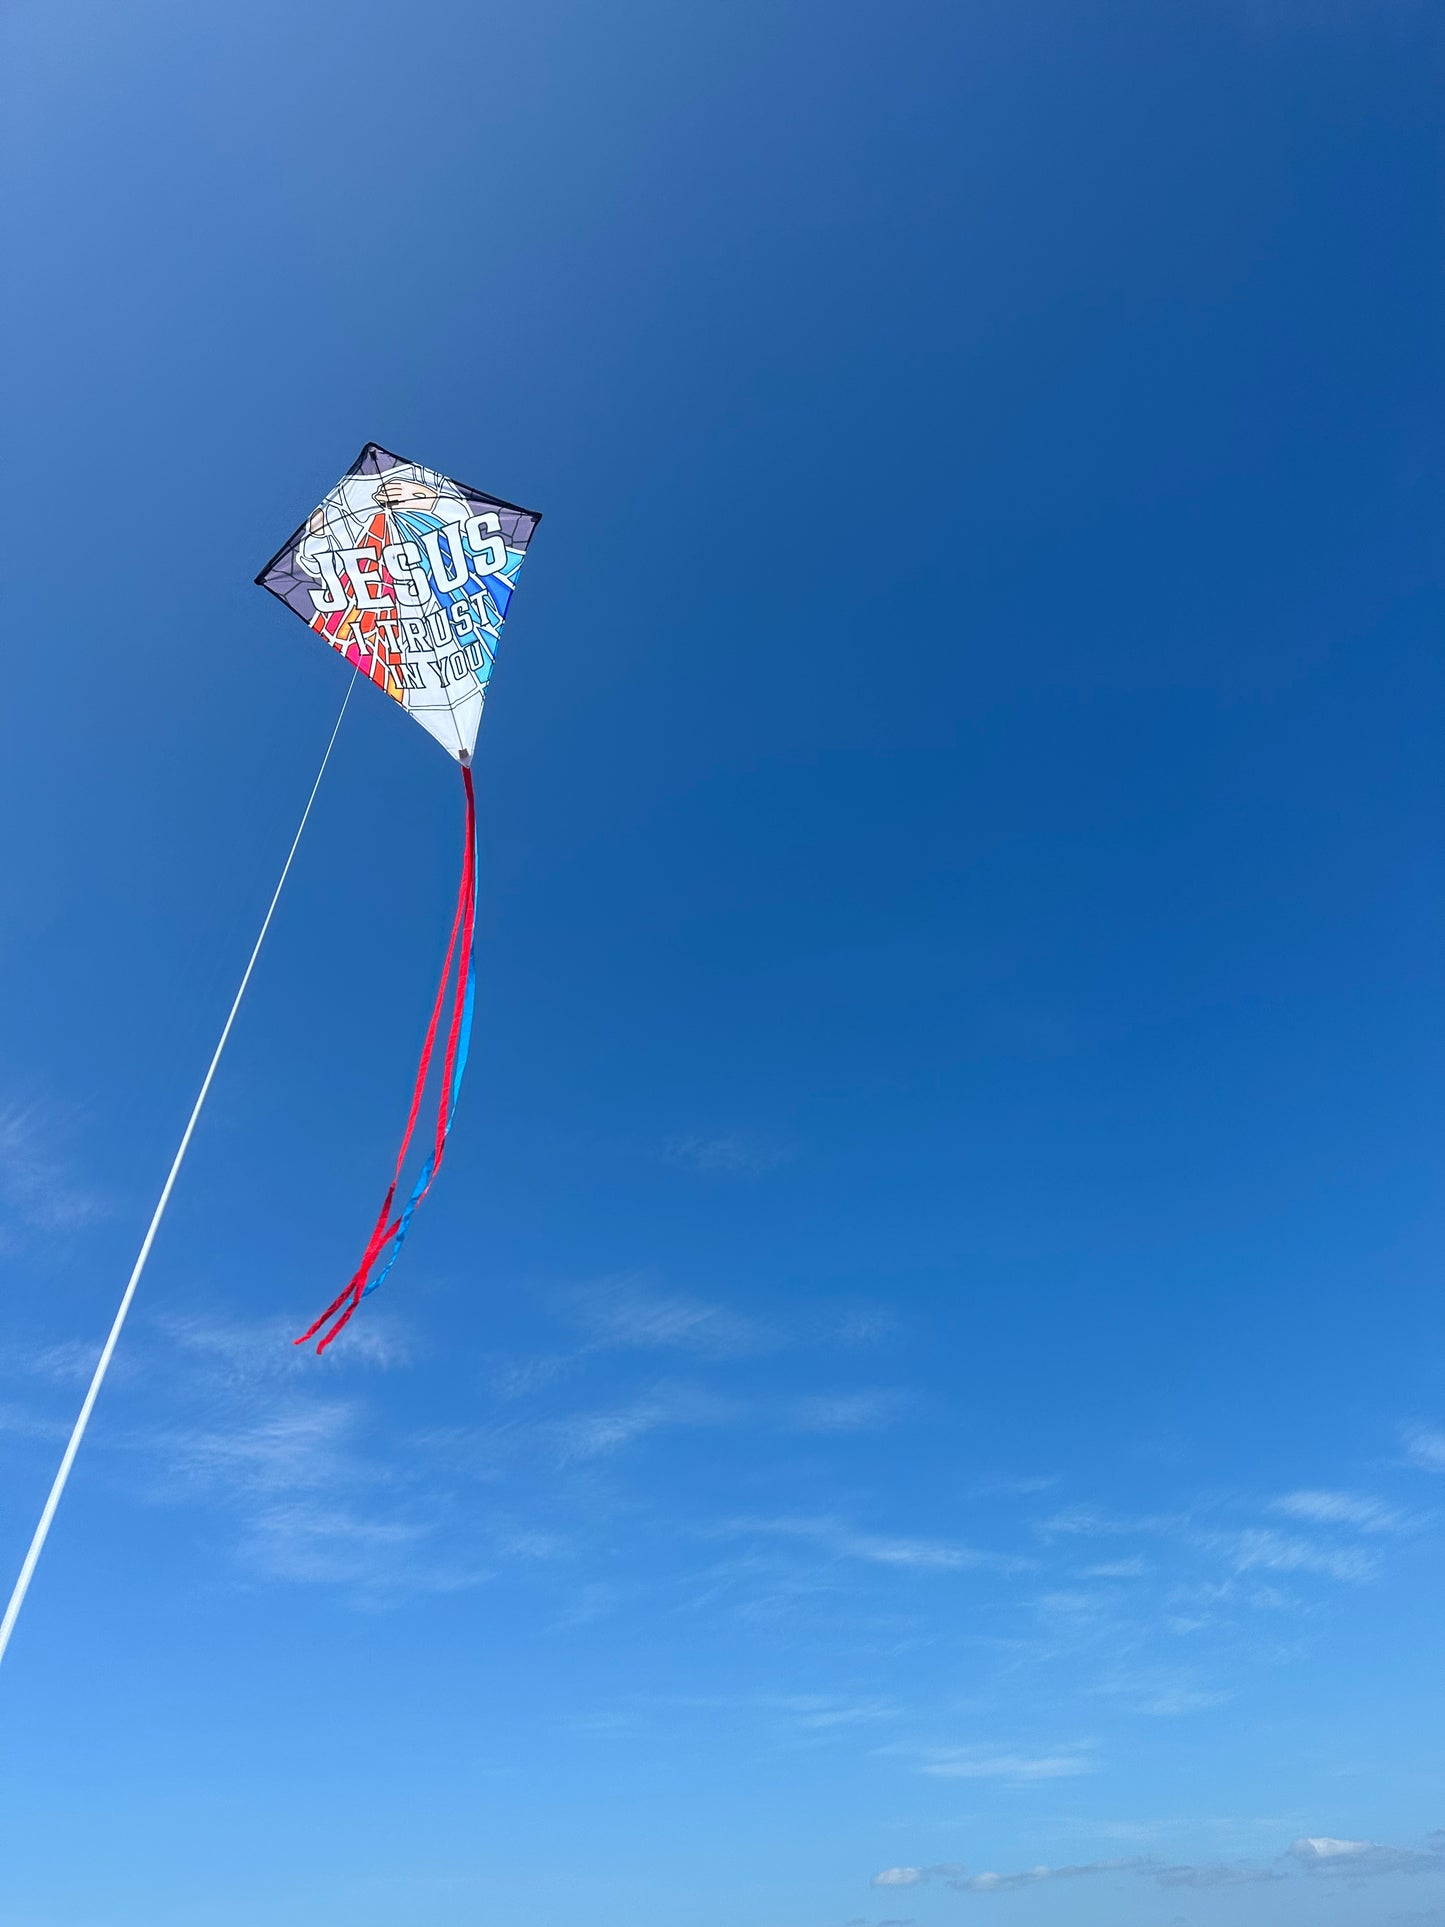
(42, 1530)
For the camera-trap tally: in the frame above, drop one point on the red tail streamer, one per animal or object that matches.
(459, 949)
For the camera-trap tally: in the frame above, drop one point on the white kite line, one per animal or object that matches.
(42, 1530)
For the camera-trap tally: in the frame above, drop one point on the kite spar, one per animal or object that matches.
(409, 575)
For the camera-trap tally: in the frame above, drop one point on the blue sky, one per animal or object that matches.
(919, 1395)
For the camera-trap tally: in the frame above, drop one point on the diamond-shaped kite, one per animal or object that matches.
(409, 575)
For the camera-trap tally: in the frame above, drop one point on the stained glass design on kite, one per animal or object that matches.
(409, 575)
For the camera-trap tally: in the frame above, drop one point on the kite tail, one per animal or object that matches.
(388, 1230)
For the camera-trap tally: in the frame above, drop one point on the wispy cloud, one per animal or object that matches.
(1011, 1485)
(1359, 1860)
(19, 1423)
(820, 1714)
(863, 1325)
(1264, 1551)
(298, 1446)
(1000, 1883)
(842, 1541)
(809, 1714)
(623, 1314)
(239, 1354)
(1221, 1874)
(280, 1455)
(1158, 1693)
(312, 1542)
(1087, 1522)
(71, 1362)
(595, 1434)
(1341, 1509)
(38, 1190)
(731, 1154)
(1425, 1447)
(961, 1881)
(867, 1411)
(524, 1377)
(1012, 1766)
(1350, 1861)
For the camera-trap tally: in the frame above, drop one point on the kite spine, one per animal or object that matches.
(57, 1489)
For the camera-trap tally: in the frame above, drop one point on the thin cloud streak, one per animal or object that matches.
(38, 1193)
(1341, 1509)
(1314, 1857)
(842, 1541)
(624, 1315)
(1425, 1448)
(732, 1154)
(1008, 1765)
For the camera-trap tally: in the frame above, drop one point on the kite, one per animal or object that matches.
(410, 576)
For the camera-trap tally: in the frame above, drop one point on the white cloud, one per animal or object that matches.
(1309, 1851)
(1357, 1860)
(1161, 1694)
(998, 1883)
(1341, 1509)
(71, 1362)
(1087, 1522)
(37, 1191)
(1065, 1604)
(1227, 1874)
(961, 1881)
(523, 1377)
(818, 1714)
(844, 1542)
(624, 1315)
(315, 1542)
(848, 1411)
(1425, 1448)
(20, 1424)
(593, 1435)
(532, 1544)
(1350, 1861)
(1011, 1767)
(1263, 1551)
(240, 1355)
(1233, 1874)
(732, 1154)
(297, 1446)
(281, 1463)
(862, 1325)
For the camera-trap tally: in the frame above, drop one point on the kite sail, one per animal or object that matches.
(410, 576)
